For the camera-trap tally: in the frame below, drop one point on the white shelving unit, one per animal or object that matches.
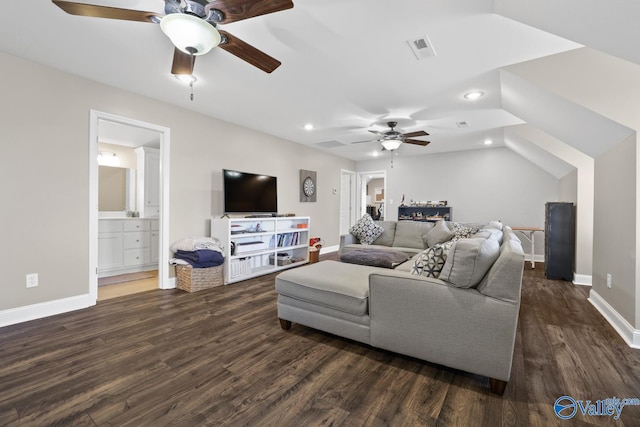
(257, 246)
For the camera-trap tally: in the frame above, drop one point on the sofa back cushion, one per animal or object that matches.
(440, 233)
(409, 234)
(386, 238)
(469, 260)
(504, 279)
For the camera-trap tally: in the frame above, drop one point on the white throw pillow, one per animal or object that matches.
(366, 230)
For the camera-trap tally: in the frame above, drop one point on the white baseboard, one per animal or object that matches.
(44, 309)
(329, 249)
(582, 279)
(172, 283)
(630, 335)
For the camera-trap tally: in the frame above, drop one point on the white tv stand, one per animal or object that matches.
(261, 245)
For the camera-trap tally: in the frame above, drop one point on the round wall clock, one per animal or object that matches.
(308, 186)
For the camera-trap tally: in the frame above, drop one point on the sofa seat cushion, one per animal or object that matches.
(357, 246)
(375, 257)
(331, 284)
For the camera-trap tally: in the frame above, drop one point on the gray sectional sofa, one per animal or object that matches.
(466, 319)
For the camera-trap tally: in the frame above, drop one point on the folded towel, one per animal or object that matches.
(202, 258)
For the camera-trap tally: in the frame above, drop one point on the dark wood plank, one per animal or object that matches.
(220, 356)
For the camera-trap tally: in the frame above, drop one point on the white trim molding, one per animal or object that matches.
(329, 249)
(26, 313)
(630, 335)
(582, 279)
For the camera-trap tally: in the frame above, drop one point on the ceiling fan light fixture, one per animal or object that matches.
(189, 33)
(186, 78)
(391, 144)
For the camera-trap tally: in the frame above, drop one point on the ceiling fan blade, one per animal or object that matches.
(82, 9)
(237, 10)
(248, 53)
(417, 142)
(414, 134)
(376, 132)
(182, 62)
(361, 142)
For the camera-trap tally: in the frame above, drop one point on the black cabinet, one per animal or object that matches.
(559, 240)
(424, 213)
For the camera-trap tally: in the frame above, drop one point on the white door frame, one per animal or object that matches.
(353, 210)
(164, 282)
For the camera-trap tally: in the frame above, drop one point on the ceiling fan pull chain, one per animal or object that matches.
(193, 63)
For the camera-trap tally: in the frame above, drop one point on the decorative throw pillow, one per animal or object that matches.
(440, 233)
(461, 231)
(366, 230)
(429, 262)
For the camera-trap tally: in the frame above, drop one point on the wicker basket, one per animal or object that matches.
(195, 279)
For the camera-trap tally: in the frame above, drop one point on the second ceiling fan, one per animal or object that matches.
(192, 27)
(392, 139)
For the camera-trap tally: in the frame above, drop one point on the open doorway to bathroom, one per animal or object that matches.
(129, 168)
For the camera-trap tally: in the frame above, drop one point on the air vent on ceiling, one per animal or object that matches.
(329, 144)
(462, 124)
(422, 47)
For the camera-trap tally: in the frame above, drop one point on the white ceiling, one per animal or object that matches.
(346, 67)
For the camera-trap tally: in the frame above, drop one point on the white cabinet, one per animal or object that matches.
(125, 246)
(257, 246)
(148, 169)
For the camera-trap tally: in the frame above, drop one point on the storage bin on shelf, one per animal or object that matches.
(195, 279)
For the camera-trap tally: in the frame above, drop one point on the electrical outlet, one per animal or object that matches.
(32, 280)
(608, 280)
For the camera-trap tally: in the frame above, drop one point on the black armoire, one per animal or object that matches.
(559, 240)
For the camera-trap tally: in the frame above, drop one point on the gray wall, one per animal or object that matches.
(480, 185)
(44, 120)
(614, 245)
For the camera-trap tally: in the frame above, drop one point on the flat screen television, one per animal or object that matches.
(249, 193)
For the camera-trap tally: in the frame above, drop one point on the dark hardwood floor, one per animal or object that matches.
(219, 357)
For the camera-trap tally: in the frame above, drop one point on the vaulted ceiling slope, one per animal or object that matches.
(584, 97)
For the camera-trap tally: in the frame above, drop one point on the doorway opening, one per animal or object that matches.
(372, 190)
(129, 249)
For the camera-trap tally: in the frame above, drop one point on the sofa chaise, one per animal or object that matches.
(466, 319)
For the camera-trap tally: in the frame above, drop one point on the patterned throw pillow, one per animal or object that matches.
(366, 230)
(463, 232)
(430, 261)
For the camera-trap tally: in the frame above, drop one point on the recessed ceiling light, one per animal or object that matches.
(308, 126)
(473, 95)
(488, 142)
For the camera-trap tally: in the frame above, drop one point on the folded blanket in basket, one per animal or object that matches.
(195, 243)
(202, 258)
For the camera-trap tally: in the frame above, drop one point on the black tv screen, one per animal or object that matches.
(249, 193)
